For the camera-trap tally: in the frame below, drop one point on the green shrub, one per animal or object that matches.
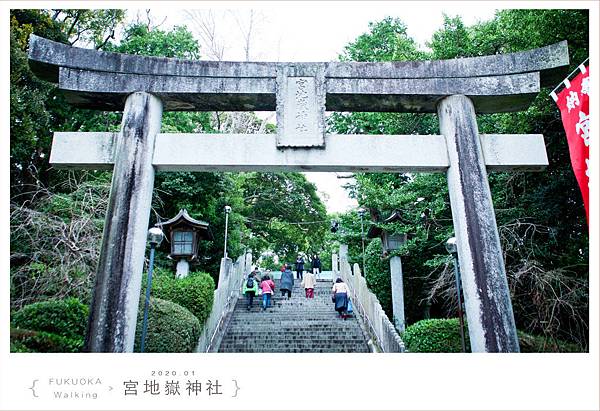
(66, 318)
(434, 335)
(171, 328)
(41, 341)
(443, 335)
(194, 292)
(378, 275)
(18, 346)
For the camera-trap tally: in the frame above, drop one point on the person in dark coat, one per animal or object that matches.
(250, 289)
(316, 266)
(287, 282)
(299, 267)
(340, 297)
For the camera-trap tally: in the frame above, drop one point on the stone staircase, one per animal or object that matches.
(295, 325)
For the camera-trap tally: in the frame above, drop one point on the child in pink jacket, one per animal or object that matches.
(267, 286)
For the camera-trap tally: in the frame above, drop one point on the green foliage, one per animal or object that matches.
(194, 292)
(378, 275)
(284, 213)
(268, 263)
(179, 42)
(89, 26)
(435, 335)
(171, 328)
(452, 40)
(547, 277)
(18, 346)
(387, 40)
(204, 195)
(443, 335)
(66, 318)
(41, 341)
(31, 121)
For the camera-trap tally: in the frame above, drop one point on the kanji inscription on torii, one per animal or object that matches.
(300, 106)
(300, 92)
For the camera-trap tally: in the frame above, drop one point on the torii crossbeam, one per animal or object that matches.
(300, 93)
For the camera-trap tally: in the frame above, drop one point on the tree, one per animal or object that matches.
(37, 109)
(95, 27)
(284, 212)
(452, 40)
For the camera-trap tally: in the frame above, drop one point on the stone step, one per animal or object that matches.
(296, 324)
(333, 339)
(294, 350)
(294, 344)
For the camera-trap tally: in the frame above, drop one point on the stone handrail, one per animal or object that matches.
(368, 308)
(231, 276)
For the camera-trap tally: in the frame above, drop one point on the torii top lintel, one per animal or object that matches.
(102, 80)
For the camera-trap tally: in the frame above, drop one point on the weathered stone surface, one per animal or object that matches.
(102, 80)
(182, 269)
(46, 55)
(397, 292)
(490, 94)
(108, 91)
(301, 106)
(487, 297)
(514, 152)
(551, 61)
(258, 152)
(113, 314)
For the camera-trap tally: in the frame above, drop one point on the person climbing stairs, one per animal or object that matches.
(298, 324)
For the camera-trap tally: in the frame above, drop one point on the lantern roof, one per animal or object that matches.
(183, 220)
(375, 231)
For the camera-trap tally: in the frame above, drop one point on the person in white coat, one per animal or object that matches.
(309, 282)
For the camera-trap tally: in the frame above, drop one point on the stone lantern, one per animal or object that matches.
(391, 242)
(184, 233)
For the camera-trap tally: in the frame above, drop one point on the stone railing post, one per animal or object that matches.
(114, 309)
(487, 297)
(397, 292)
(335, 265)
(248, 263)
(343, 252)
(224, 273)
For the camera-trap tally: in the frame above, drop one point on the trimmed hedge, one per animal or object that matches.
(443, 335)
(41, 341)
(194, 292)
(66, 318)
(434, 335)
(171, 328)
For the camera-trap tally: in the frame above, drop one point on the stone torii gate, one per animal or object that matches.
(144, 87)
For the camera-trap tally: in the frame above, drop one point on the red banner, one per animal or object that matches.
(574, 104)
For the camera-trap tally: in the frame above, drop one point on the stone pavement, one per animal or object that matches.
(295, 325)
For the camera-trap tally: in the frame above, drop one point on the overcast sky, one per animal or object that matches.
(310, 31)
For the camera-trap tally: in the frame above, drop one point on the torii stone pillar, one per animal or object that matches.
(397, 292)
(487, 297)
(113, 314)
